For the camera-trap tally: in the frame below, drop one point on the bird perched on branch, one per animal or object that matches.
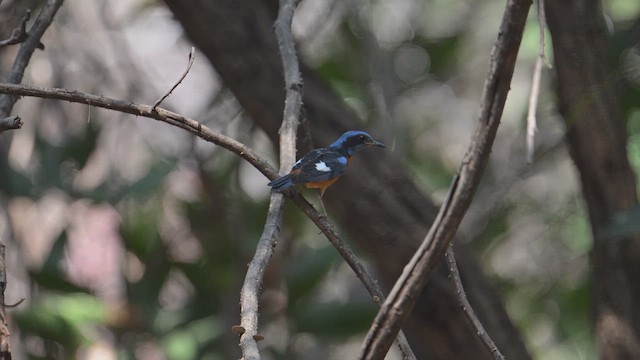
(322, 167)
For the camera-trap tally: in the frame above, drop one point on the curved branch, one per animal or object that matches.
(405, 292)
(159, 114)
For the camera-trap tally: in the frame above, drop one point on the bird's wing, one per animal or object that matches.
(319, 165)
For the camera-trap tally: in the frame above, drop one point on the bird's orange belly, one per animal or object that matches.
(320, 184)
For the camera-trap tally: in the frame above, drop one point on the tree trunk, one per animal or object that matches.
(597, 141)
(376, 202)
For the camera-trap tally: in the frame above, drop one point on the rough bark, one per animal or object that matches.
(376, 202)
(597, 141)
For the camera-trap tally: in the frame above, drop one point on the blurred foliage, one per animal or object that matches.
(189, 219)
(62, 318)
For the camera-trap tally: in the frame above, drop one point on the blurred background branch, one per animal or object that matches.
(597, 141)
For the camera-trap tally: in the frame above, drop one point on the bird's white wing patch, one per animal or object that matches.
(321, 166)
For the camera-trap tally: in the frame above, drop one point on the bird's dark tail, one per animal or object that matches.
(281, 183)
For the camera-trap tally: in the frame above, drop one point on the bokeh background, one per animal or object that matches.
(129, 238)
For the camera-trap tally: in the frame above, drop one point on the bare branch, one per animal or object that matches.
(160, 114)
(249, 295)
(268, 241)
(30, 44)
(535, 84)
(466, 306)
(293, 84)
(192, 57)
(404, 294)
(19, 34)
(10, 123)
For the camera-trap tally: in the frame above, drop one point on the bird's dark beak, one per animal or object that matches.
(376, 143)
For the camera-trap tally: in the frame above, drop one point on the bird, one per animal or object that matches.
(320, 168)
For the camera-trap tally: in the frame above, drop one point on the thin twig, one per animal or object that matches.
(15, 305)
(19, 34)
(28, 46)
(535, 84)
(192, 57)
(223, 141)
(404, 294)
(252, 285)
(466, 306)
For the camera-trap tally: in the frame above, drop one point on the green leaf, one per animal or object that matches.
(61, 318)
(187, 342)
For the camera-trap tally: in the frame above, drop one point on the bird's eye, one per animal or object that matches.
(363, 138)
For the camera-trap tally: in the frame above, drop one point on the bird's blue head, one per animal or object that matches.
(354, 140)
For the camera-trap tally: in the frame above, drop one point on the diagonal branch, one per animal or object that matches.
(266, 245)
(29, 45)
(192, 57)
(405, 292)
